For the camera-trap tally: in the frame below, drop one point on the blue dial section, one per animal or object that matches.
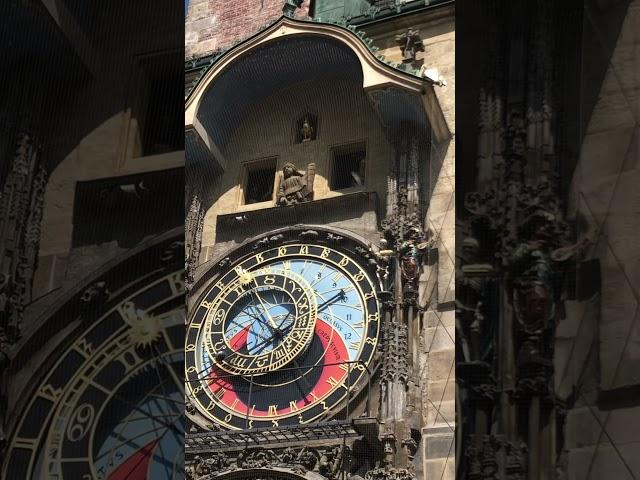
(339, 301)
(253, 314)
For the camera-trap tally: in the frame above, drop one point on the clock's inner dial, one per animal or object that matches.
(260, 322)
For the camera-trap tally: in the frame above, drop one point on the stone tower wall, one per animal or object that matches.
(214, 25)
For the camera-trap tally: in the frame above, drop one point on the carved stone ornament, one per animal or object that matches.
(410, 44)
(328, 461)
(395, 349)
(411, 447)
(21, 207)
(403, 231)
(290, 7)
(194, 225)
(295, 186)
(96, 293)
(390, 474)
(493, 457)
(266, 242)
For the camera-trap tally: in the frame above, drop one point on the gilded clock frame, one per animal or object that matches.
(348, 253)
(102, 336)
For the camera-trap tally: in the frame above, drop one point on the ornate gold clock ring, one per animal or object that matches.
(277, 339)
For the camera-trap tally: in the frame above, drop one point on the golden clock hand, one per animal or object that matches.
(273, 324)
(257, 316)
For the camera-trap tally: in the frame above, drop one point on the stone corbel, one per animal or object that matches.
(201, 150)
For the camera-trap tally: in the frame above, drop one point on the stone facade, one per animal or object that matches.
(413, 400)
(215, 25)
(77, 117)
(597, 347)
(546, 294)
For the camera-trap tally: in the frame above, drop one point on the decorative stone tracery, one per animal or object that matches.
(327, 462)
(21, 207)
(513, 263)
(194, 225)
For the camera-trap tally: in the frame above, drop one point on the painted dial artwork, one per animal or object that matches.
(281, 337)
(110, 406)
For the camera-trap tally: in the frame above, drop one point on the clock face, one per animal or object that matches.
(281, 336)
(110, 403)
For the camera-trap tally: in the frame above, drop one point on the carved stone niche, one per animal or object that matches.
(306, 128)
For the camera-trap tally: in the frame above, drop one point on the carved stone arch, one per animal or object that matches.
(289, 52)
(268, 473)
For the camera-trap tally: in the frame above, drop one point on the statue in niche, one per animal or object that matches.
(411, 251)
(306, 128)
(295, 186)
(410, 44)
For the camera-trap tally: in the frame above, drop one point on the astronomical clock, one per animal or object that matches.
(108, 403)
(283, 331)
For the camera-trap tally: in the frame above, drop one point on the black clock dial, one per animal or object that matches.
(314, 380)
(110, 403)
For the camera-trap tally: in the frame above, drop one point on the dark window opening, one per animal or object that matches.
(127, 209)
(260, 179)
(160, 103)
(348, 166)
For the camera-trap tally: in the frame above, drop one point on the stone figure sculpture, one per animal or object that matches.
(295, 186)
(307, 130)
(410, 44)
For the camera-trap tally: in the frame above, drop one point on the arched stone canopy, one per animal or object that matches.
(264, 64)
